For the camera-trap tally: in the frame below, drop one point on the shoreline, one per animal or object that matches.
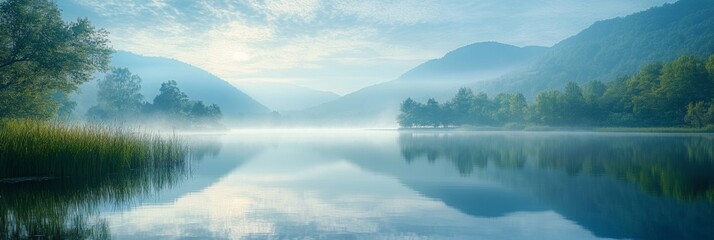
(570, 129)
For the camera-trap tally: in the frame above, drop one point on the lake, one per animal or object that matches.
(373, 184)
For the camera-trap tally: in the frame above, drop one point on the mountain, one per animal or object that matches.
(291, 97)
(439, 78)
(604, 51)
(197, 83)
(475, 61)
(617, 47)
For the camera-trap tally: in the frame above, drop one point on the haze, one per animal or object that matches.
(336, 46)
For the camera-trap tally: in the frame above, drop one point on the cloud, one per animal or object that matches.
(308, 39)
(294, 9)
(390, 12)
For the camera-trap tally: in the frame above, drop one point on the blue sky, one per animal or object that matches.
(336, 45)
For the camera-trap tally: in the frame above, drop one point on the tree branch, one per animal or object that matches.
(13, 61)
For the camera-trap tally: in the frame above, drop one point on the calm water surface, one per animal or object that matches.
(353, 184)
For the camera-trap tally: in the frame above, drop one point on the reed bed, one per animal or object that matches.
(33, 149)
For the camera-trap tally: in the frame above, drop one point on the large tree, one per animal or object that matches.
(171, 100)
(40, 54)
(118, 96)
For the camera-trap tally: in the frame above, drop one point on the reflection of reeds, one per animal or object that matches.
(40, 149)
(67, 208)
(91, 165)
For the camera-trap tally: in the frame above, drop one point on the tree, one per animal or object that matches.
(683, 81)
(41, 54)
(710, 67)
(593, 94)
(548, 107)
(481, 109)
(460, 105)
(408, 113)
(171, 100)
(433, 113)
(593, 91)
(573, 104)
(640, 97)
(509, 108)
(700, 114)
(200, 114)
(118, 96)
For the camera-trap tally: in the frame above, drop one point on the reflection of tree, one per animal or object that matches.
(67, 208)
(678, 167)
(564, 171)
(465, 152)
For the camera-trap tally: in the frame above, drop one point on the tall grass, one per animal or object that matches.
(31, 148)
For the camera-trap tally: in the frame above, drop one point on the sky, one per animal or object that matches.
(332, 45)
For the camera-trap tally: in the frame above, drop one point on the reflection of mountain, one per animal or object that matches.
(479, 201)
(595, 180)
(471, 197)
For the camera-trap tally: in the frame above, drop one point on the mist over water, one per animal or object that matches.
(355, 183)
(361, 119)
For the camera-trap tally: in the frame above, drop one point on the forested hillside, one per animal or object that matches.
(679, 93)
(617, 47)
(194, 81)
(434, 78)
(478, 61)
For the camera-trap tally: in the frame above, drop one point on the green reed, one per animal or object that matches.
(31, 148)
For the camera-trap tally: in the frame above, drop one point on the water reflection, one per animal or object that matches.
(618, 186)
(677, 167)
(362, 184)
(68, 208)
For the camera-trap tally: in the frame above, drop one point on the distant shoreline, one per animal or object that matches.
(578, 129)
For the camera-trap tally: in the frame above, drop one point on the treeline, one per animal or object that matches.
(119, 99)
(679, 93)
(673, 167)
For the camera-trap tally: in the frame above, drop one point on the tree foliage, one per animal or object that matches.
(119, 100)
(118, 96)
(40, 54)
(679, 93)
(620, 46)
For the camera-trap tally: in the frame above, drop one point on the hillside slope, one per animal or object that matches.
(283, 97)
(616, 47)
(439, 78)
(197, 83)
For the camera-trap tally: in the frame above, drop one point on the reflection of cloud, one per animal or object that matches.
(323, 200)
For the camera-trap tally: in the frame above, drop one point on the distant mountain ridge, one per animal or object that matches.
(604, 51)
(197, 83)
(438, 78)
(474, 59)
